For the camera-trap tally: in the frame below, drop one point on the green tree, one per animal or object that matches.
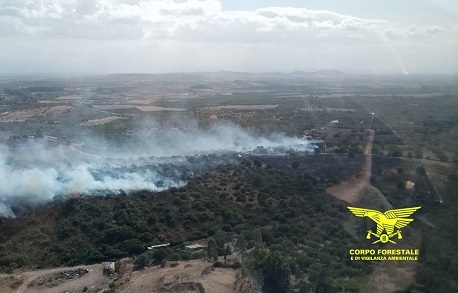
(227, 251)
(241, 244)
(267, 237)
(141, 261)
(257, 163)
(211, 250)
(257, 235)
(276, 274)
(401, 185)
(324, 283)
(395, 151)
(418, 153)
(258, 181)
(455, 159)
(160, 254)
(39, 133)
(304, 288)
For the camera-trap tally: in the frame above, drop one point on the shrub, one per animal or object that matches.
(258, 181)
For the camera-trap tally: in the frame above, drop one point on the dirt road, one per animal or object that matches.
(351, 191)
(30, 276)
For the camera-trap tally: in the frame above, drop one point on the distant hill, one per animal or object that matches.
(321, 73)
(227, 74)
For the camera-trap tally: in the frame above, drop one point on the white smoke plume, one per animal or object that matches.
(155, 158)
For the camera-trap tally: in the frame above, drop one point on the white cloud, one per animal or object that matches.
(170, 29)
(416, 32)
(165, 18)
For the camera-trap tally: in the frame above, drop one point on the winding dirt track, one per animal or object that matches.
(351, 191)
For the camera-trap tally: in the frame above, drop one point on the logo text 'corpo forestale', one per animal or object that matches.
(389, 225)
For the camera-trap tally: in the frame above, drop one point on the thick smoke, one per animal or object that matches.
(156, 157)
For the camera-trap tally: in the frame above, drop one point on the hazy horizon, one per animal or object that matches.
(351, 74)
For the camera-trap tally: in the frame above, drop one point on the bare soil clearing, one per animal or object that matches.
(22, 115)
(241, 107)
(184, 276)
(101, 121)
(142, 102)
(187, 276)
(112, 107)
(59, 109)
(157, 109)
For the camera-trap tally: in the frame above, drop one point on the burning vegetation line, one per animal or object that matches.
(35, 172)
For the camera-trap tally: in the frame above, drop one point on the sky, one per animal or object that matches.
(161, 36)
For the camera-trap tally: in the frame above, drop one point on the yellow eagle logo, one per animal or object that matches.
(386, 221)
